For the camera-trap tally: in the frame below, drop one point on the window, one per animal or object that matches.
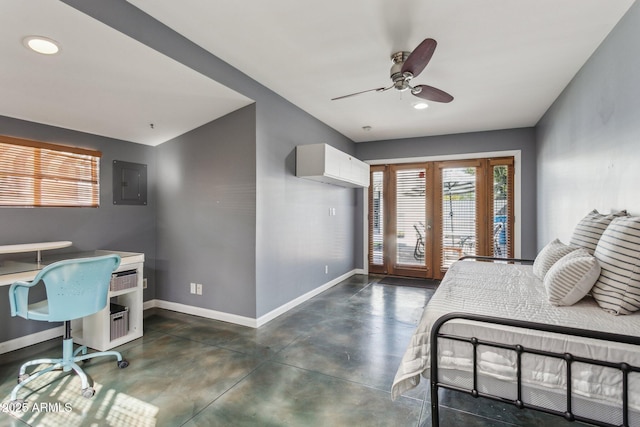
(459, 205)
(377, 221)
(425, 216)
(410, 212)
(34, 173)
(501, 204)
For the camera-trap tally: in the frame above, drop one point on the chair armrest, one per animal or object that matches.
(19, 298)
(488, 258)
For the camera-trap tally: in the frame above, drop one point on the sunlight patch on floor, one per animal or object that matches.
(59, 403)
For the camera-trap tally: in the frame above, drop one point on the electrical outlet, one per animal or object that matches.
(144, 283)
(199, 288)
(326, 269)
(193, 288)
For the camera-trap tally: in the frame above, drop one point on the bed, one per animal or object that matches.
(497, 336)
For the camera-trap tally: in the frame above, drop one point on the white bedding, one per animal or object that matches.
(512, 291)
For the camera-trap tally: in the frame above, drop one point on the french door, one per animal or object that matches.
(425, 216)
(400, 214)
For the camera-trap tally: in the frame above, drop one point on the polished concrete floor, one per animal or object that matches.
(328, 362)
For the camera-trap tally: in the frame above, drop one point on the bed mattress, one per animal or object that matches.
(513, 292)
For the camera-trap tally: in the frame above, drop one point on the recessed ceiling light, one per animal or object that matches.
(420, 105)
(43, 45)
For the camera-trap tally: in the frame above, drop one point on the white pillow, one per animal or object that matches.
(618, 287)
(588, 231)
(571, 278)
(548, 256)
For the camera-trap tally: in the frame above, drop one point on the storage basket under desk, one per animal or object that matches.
(123, 280)
(119, 324)
(108, 328)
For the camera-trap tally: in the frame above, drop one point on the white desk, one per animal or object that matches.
(92, 331)
(34, 247)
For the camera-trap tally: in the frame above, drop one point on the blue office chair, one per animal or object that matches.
(75, 288)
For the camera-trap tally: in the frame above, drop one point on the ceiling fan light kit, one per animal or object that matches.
(405, 67)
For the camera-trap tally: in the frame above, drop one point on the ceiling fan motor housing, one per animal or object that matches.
(400, 79)
(406, 66)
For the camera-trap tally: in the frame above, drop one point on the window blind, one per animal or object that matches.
(376, 227)
(410, 216)
(502, 205)
(37, 174)
(459, 218)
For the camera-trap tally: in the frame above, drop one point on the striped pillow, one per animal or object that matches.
(548, 256)
(571, 278)
(590, 228)
(618, 287)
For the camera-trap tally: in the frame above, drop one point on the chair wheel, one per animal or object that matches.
(122, 364)
(88, 392)
(22, 378)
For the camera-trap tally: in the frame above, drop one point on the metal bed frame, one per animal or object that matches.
(569, 359)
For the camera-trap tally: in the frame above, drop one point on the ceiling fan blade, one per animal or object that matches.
(420, 57)
(380, 89)
(431, 93)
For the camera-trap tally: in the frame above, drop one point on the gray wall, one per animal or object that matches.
(292, 231)
(589, 141)
(126, 228)
(296, 237)
(478, 142)
(207, 215)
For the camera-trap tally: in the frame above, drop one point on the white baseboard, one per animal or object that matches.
(149, 304)
(202, 312)
(31, 339)
(242, 320)
(48, 334)
(302, 298)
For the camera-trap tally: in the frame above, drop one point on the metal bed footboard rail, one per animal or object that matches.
(520, 350)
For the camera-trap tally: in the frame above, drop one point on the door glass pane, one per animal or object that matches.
(410, 216)
(500, 236)
(377, 218)
(458, 213)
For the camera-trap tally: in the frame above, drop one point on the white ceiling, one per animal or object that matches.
(102, 81)
(504, 62)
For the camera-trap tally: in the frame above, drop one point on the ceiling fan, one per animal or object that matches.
(406, 66)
